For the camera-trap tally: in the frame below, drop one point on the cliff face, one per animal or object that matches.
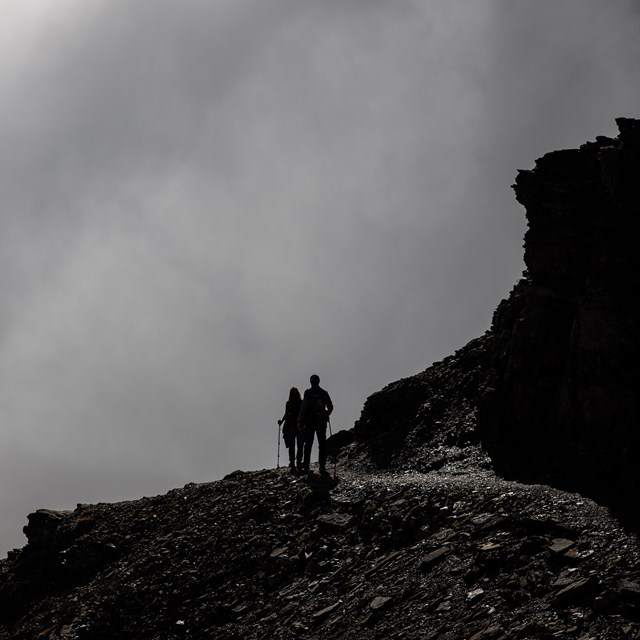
(562, 397)
(552, 390)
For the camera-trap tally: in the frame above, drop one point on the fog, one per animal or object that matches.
(203, 203)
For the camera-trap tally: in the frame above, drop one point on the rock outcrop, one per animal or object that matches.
(420, 422)
(552, 390)
(562, 399)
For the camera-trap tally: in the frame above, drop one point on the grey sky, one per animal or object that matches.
(204, 202)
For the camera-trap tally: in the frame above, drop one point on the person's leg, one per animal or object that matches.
(292, 454)
(290, 443)
(308, 444)
(300, 453)
(321, 430)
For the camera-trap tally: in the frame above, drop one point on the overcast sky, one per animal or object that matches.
(204, 202)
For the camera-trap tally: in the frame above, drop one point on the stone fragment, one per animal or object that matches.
(444, 606)
(379, 603)
(572, 554)
(565, 579)
(474, 595)
(434, 557)
(444, 534)
(561, 545)
(335, 521)
(327, 611)
(573, 592)
(242, 608)
(67, 632)
(347, 504)
(490, 633)
(486, 521)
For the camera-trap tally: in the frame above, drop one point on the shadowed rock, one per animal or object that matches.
(562, 399)
(552, 390)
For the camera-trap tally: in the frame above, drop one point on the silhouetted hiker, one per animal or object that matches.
(314, 415)
(290, 432)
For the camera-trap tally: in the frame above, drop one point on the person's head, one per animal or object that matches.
(294, 394)
(314, 380)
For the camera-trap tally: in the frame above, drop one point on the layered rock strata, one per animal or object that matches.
(563, 395)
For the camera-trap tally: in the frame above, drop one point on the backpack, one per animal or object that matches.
(317, 408)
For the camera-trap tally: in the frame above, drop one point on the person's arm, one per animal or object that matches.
(286, 413)
(328, 403)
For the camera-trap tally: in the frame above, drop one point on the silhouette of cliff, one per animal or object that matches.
(552, 390)
(563, 399)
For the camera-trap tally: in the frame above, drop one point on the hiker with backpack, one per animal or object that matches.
(291, 435)
(314, 416)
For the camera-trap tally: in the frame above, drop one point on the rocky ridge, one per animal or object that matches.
(451, 554)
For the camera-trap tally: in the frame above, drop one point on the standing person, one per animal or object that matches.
(290, 433)
(314, 415)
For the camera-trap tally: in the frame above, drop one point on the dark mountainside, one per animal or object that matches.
(552, 390)
(462, 507)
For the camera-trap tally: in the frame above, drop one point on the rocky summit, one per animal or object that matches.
(490, 497)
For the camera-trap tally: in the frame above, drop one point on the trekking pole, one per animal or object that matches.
(335, 457)
(278, 444)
